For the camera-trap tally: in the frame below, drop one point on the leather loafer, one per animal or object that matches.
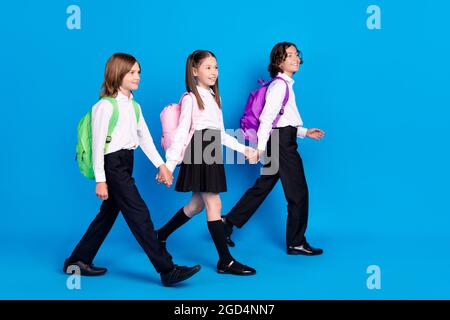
(304, 249)
(228, 231)
(235, 268)
(85, 269)
(178, 274)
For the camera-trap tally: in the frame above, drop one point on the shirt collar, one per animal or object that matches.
(121, 97)
(205, 92)
(286, 77)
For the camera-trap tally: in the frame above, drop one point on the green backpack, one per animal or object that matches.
(84, 145)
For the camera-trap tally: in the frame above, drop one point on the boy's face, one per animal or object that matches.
(291, 64)
(131, 80)
(207, 72)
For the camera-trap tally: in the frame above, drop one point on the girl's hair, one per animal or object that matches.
(118, 65)
(194, 60)
(278, 55)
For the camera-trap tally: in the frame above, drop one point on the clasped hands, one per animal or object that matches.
(252, 155)
(165, 176)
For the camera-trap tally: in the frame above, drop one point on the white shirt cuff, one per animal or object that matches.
(301, 132)
(240, 148)
(100, 176)
(171, 165)
(158, 162)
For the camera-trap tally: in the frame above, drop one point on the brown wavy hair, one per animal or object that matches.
(118, 65)
(278, 55)
(194, 60)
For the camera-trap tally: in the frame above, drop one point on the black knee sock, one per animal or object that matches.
(177, 221)
(218, 235)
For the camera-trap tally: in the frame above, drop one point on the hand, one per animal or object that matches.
(165, 176)
(253, 155)
(250, 155)
(101, 190)
(315, 133)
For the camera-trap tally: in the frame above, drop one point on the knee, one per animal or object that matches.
(193, 209)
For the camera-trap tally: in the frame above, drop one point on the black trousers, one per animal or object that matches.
(294, 184)
(123, 196)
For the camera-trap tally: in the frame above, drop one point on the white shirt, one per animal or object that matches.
(126, 135)
(209, 118)
(274, 99)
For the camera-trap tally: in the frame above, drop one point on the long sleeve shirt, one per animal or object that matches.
(274, 99)
(209, 118)
(128, 133)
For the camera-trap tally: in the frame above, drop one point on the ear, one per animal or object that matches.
(195, 71)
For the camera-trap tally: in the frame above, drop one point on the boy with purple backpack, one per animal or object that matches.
(271, 119)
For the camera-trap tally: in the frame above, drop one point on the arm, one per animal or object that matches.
(146, 142)
(179, 139)
(101, 114)
(229, 141)
(301, 132)
(274, 99)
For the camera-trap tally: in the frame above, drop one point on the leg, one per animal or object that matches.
(137, 216)
(87, 248)
(195, 205)
(226, 264)
(183, 215)
(296, 193)
(251, 200)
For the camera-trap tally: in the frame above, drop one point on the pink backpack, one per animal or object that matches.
(170, 117)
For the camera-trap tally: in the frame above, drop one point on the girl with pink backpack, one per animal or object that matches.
(197, 144)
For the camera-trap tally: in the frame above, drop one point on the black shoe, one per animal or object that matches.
(163, 243)
(85, 269)
(178, 274)
(228, 227)
(304, 249)
(235, 268)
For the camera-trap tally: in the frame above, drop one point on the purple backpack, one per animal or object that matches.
(254, 107)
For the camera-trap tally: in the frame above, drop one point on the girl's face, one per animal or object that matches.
(131, 80)
(291, 64)
(207, 72)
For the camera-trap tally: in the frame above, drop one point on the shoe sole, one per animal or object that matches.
(86, 274)
(235, 274)
(295, 253)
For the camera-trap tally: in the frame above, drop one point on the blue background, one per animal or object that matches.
(378, 180)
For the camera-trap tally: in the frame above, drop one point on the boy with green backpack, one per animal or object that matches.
(107, 138)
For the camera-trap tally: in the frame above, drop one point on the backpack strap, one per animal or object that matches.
(112, 121)
(136, 110)
(195, 114)
(285, 101)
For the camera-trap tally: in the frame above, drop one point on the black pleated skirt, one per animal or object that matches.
(202, 169)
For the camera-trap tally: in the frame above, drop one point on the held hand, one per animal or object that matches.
(101, 190)
(164, 176)
(252, 155)
(315, 133)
